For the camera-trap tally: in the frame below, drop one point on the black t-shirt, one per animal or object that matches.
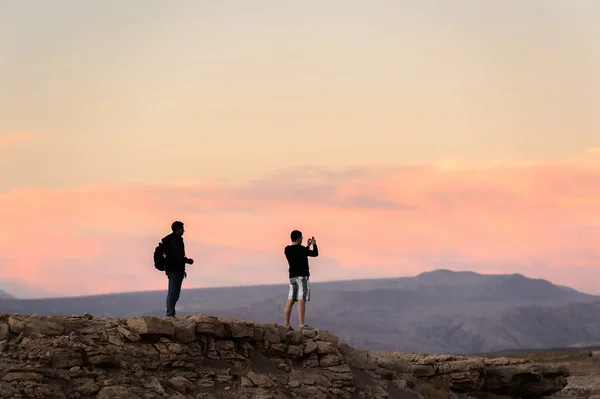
(297, 257)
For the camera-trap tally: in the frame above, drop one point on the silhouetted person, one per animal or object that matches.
(175, 265)
(297, 257)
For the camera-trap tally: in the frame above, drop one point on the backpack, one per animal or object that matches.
(160, 257)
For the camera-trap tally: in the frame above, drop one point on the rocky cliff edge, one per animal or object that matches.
(207, 357)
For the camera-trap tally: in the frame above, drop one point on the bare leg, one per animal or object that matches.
(288, 312)
(301, 311)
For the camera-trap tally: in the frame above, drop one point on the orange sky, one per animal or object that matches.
(537, 218)
(405, 135)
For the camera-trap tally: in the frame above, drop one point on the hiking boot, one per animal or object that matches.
(306, 327)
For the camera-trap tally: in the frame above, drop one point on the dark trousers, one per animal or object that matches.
(175, 281)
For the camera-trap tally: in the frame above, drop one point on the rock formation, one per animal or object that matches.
(207, 357)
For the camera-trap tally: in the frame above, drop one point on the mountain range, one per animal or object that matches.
(440, 311)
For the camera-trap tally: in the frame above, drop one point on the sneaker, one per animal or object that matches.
(306, 327)
(290, 329)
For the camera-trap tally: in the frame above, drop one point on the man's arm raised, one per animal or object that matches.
(314, 252)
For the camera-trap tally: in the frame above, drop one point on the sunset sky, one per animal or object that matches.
(405, 135)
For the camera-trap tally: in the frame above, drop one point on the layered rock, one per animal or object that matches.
(502, 376)
(207, 357)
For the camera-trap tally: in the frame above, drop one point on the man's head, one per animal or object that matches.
(177, 228)
(296, 237)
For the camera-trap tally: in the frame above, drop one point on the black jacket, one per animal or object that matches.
(176, 259)
(297, 257)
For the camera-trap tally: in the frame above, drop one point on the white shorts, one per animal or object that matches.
(299, 289)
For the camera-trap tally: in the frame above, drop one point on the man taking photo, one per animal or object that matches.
(299, 291)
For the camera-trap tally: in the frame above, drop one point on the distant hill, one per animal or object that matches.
(6, 295)
(439, 311)
(568, 289)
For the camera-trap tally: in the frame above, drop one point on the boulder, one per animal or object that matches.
(128, 334)
(327, 337)
(185, 330)
(259, 333)
(34, 325)
(309, 333)
(358, 358)
(518, 377)
(272, 333)
(324, 347)
(208, 325)
(237, 328)
(310, 346)
(148, 325)
(294, 337)
(330, 359)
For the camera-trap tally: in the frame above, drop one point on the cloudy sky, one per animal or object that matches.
(405, 135)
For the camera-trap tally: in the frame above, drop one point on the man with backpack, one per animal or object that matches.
(169, 256)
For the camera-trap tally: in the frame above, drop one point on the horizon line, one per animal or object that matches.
(275, 284)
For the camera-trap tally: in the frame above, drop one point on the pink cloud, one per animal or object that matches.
(372, 221)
